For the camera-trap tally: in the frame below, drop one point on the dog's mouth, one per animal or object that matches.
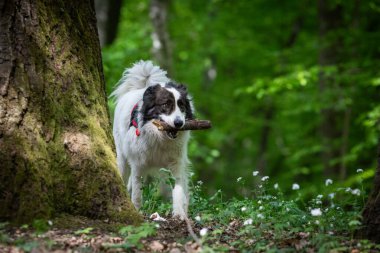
(172, 134)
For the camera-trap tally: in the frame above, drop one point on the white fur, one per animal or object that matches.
(139, 156)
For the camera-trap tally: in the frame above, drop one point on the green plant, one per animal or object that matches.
(84, 231)
(133, 235)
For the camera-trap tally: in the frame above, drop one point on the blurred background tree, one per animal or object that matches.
(292, 87)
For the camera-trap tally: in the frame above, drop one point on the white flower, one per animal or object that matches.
(200, 182)
(320, 196)
(328, 182)
(248, 222)
(259, 202)
(264, 178)
(275, 186)
(332, 195)
(157, 225)
(239, 179)
(316, 212)
(50, 223)
(197, 218)
(348, 189)
(261, 208)
(243, 209)
(295, 187)
(317, 222)
(203, 231)
(359, 171)
(255, 173)
(356, 192)
(261, 216)
(260, 186)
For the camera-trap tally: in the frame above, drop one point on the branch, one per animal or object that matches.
(189, 125)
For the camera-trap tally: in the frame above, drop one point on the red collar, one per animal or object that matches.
(134, 119)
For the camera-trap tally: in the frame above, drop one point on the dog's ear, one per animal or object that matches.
(148, 108)
(151, 91)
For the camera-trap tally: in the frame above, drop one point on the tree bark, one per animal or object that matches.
(371, 213)
(330, 20)
(108, 15)
(162, 50)
(56, 149)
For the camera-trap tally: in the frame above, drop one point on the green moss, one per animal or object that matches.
(67, 221)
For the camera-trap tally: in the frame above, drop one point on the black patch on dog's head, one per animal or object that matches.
(184, 101)
(156, 101)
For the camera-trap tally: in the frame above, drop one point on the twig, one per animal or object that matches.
(191, 232)
(189, 125)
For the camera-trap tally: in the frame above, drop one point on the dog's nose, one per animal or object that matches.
(178, 123)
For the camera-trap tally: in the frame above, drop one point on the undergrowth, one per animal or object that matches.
(267, 219)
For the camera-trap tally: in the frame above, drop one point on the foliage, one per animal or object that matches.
(253, 69)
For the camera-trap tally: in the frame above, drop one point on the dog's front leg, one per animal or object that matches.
(180, 193)
(135, 181)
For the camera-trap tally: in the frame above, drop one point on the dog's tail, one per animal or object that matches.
(141, 75)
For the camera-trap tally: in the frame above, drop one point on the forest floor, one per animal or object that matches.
(265, 220)
(170, 235)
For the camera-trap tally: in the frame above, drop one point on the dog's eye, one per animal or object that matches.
(181, 106)
(165, 105)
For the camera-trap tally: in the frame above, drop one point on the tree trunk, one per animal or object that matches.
(371, 213)
(162, 50)
(261, 164)
(108, 15)
(330, 20)
(56, 148)
(269, 108)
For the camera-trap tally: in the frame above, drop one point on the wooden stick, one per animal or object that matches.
(189, 125)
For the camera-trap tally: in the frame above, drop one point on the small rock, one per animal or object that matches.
(175, 250)
(156, 246)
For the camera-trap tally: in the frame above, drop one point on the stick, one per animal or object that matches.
(189, 125)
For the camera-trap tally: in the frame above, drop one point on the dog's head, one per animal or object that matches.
(169, 103)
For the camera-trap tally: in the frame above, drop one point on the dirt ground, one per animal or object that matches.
(171, 235)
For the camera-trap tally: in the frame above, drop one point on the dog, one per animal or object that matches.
(143, 94)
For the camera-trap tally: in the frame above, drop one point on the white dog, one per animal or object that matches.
(144, 93)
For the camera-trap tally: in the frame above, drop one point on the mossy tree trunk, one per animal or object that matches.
(371, 213)
(56, 147)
